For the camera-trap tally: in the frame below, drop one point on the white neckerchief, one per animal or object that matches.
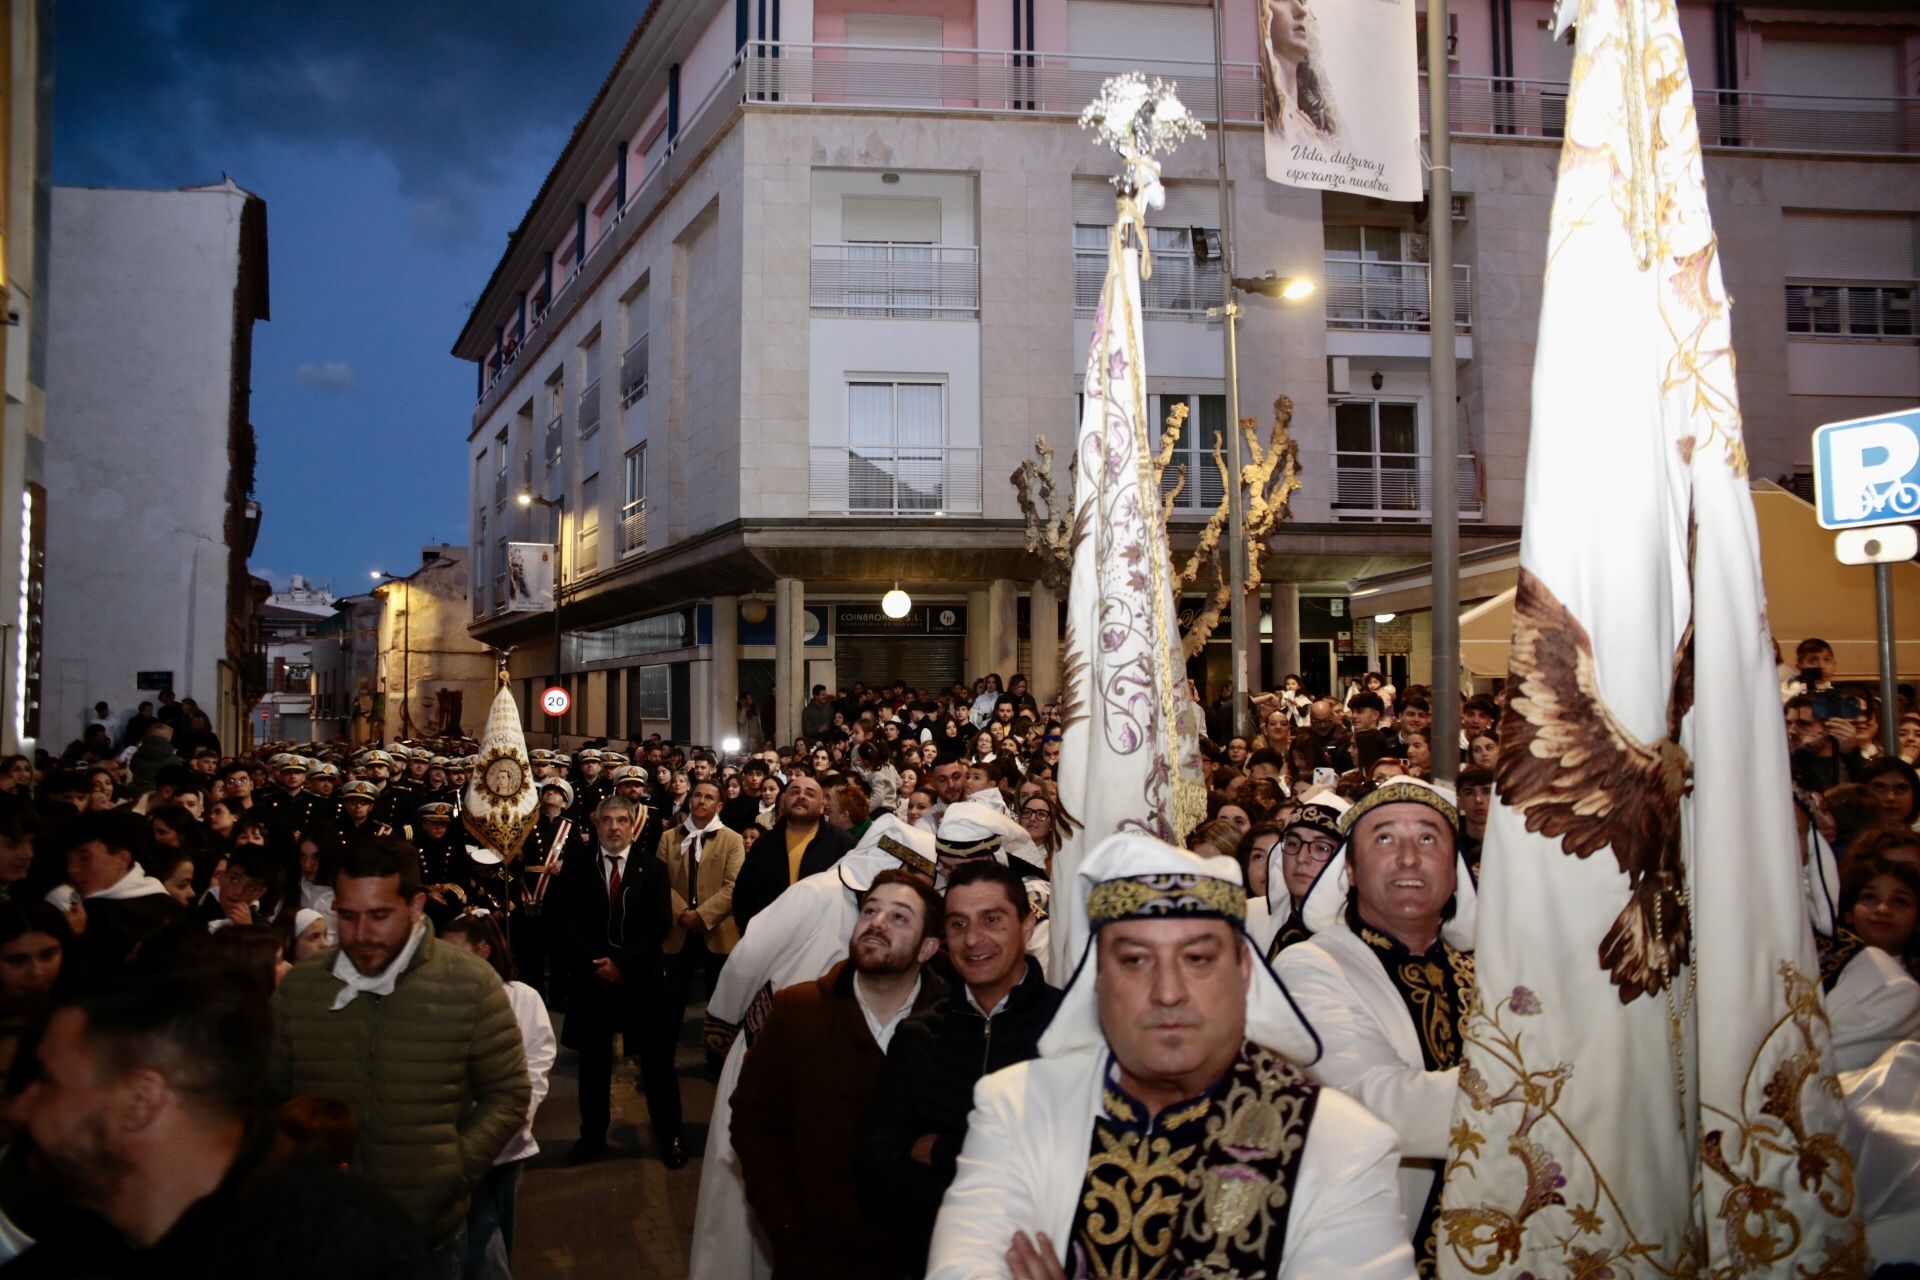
(135, 884)
(883, 1031)
(379, 984)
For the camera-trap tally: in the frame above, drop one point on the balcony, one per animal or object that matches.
(633, 527)
(1857, 310)
(901, 480)
(897, 281)
(590, 408)
(1390, 297)
(862, 77)
(1398, 486)
(1178, 287)
(633, 372)
(550, 445)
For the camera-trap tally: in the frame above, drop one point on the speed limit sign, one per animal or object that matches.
(554, 701)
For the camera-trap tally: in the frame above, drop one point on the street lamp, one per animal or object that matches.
(559, 508)
(1292, 288)
(406, 648)
(896, 603)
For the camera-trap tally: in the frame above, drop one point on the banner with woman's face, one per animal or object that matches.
(1340, 84)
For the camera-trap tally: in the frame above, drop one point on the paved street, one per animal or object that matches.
(626, 1215)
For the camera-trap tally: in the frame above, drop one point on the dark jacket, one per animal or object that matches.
(763, 876)
(798, 1112)
(154, 753)
(587, 925)
(115, 926)
(927, 1088)
(279, 1212)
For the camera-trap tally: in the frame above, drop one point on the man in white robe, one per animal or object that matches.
(797, 938)
(1166, 1125)
(1392, 924)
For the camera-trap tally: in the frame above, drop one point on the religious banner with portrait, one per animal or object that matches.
(1339, 87)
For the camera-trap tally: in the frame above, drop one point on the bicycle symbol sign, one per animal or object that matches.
(1866, 471)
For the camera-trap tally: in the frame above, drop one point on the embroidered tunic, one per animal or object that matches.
(1204, 1187)
(1437, 988)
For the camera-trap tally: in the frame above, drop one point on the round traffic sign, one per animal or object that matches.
(554, 701)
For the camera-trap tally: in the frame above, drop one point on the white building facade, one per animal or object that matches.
(149, 454)
(812, 276)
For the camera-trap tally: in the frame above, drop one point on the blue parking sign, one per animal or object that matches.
(1866, 471)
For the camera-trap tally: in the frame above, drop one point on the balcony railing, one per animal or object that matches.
(897, 281)
(633, 372)
(590, 408)
(500, 488)
(1179, 286)
(1391, 296)
(499, 601)
(959, 79)
(1398, 486)
(1879, 310)
(550, 446)
(894, 480)
(633, 527)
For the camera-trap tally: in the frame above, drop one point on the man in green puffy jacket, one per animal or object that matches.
(415, 1036)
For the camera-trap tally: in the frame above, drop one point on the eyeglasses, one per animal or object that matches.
(1036, 811)
(1309, 850)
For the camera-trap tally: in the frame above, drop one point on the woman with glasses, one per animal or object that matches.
(1036, 819)
(1295, 855)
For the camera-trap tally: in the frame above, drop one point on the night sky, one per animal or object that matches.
(396, 144)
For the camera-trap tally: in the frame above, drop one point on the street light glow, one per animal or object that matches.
(729, 746)
(1383, 617)
(1297, 288)
(896, 603)
(525, 499)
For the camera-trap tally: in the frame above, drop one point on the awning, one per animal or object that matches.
(1809, 594)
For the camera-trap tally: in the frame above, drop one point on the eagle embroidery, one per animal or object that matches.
(1578, 775)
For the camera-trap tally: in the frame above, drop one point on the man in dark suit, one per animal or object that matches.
(613, 912)
(799, 845)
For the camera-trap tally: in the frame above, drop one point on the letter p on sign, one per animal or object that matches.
(1867, 471)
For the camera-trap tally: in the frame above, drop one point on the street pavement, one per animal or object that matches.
(627, 1214)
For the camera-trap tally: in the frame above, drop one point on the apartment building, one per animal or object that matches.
(811, 276)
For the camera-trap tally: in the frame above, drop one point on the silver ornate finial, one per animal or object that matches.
(1141, 119)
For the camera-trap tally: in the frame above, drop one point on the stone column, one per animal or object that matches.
(1043, 612)
(1003, 628)
(1286, 632)
(789, 657)
(723, 682)
(979, 637)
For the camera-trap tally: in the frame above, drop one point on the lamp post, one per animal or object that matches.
(559, 508)
(406, 649)
(1443, 444)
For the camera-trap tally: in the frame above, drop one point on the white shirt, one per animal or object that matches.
(883, 1030)
(536, 1036)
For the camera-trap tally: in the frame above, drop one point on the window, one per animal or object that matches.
(1379, 470)
(500, 573)
(477, 586)
(1374, 279)
(1181, 284)
(900, 39)
(888, 257)
(653, 699)
(633, 509)
(556, 413)
(1831, 308)
(896, 437)
(1206, 421)
(589, 524)
(590, 388)
(500, 469)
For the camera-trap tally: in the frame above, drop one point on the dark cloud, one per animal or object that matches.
(156, 92)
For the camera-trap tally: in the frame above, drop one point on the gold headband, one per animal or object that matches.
(1180, 893)
(910, 857)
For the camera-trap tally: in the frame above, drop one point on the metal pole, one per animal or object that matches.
(406, 659)
(1883, 618)
(559, 579)
(1241, 627)
(1443, 451)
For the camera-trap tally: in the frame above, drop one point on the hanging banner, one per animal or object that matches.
(529, 577)
(1340, 89)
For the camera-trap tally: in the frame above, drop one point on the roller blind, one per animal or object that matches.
(892, 29)
(1851, 246)
(901, 220)
(1834, 69)
(1189, 204)
(1134, 35)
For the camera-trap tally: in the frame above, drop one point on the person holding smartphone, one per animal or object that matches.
(1823, 737)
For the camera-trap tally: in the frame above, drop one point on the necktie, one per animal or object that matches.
(693, 869)
(613, 881)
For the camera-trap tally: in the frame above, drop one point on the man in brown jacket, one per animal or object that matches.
(703, 859)
(800, 1109)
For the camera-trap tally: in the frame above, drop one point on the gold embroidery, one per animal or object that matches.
(1170, 894)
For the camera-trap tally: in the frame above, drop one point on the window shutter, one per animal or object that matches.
(891, 29)
(1134, 35)
(1851, 246)
(888, 218)
(1189, 204)
(1847, 69)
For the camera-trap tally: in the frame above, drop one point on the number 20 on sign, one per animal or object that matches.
(554, 701)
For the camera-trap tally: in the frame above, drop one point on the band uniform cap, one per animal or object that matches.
(435, 811)
(360, 789)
